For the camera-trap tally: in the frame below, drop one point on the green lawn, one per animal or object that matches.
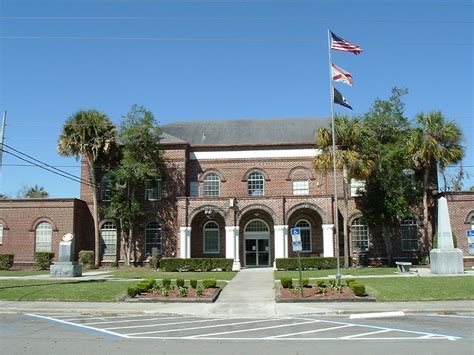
(48, 290)
(421, 288)
(324, 273)
(22, 272)
(147, 273)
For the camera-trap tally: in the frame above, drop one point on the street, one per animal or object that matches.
(75, 333)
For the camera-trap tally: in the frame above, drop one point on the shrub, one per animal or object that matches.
(156, 288)
(132, 292)
(166, 283)
(6, 261)
(86, 259)
(308, 263)
(43, 259)
(305, 282)
(199, 291)
(209, 283)
(114, 264)
(165, 291)
(196, 264)
(296, 290)
(180, 282)
(155, 258)
(321, 283)
(286, 282)
(193, 283)
(349, 281)
(183, 291)
(358, 288)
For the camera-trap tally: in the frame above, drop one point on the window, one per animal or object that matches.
(409, 234)
(357, 186)
(152, 237)
(360, 235)
(305, 230)
(472, 223)
(108, 239)
(105, 192)
(194, 188)
(256, 226)
(212, 185)
(153, 190)
(256, 184)
(1, 233)
(300, 187)
(211, 237)
(43, 235)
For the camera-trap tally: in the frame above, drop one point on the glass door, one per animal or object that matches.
(263, 253)
(251, 252)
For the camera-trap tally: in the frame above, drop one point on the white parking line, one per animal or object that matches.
(309, 331)
(103, 317)
(205, 327)
(365, 334)
(137, 320)
(448, 316)
(253, 329)
(161, 325)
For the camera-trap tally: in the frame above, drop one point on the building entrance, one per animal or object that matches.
(257, 244)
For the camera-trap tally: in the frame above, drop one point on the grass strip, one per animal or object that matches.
(325, 273)
(145, 273)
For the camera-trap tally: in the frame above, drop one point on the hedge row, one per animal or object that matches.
(195, 264)
(6, 261)
(43, 260)
(308, 263)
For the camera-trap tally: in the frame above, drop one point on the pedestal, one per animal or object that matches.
(65, 269)
(446, 262)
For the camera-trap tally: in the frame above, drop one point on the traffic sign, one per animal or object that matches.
(296, 239)
(470, 241)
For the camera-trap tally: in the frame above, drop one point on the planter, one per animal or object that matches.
(311, 294)
(209, 296)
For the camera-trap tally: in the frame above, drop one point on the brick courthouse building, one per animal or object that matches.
(232, 189)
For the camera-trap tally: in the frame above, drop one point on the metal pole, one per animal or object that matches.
(333, 127)
(2, 137)
(301, 278)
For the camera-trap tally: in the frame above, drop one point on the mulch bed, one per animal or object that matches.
(209, 295)
(312, 294)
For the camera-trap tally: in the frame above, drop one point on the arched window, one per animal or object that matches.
(256, 184)
(256, 226)
(212, 185)
(152, 237)
(108, 239)
(105, 192)
(43, 235)
(305, 231)
(211, 237)
(360, 235)
(1, 233)
(409, 234)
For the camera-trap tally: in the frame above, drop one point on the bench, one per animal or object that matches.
(403, 266)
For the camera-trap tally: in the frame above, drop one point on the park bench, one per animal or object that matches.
(403, 266)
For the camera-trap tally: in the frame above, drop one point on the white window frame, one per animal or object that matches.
(107, 244)
(409, 234)
(211, 186)
(252, 181)
(153, 190)
(105, 192)
(357, 236)
(306, 228)
(356, 186)
(43, 237)
(204, 229)
(472, 222)
(1, 233)
(300, 187)
(155, 228)
(194, 188)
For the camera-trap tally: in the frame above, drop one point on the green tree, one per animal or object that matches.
(434, 142)
(36, 192)
(389, 191)
(140, 166)
(350, 138)
(3, 197)
(90, 135)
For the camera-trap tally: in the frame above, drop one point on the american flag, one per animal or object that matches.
(340, 44)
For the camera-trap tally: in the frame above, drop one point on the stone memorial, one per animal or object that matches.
(66, 266)
(445, 259)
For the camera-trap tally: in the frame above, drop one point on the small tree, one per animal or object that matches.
(140, 163)
(36, 192)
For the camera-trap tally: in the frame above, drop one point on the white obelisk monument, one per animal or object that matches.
(445, 259)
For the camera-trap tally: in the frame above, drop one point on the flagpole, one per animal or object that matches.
(333, 127)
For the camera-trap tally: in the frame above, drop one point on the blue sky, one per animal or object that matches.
(190, 60)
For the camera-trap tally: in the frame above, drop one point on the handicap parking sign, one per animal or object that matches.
(296, 239)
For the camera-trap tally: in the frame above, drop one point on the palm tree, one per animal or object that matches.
(350, 136)
(433, 142)
(89, 135)
(36, 192)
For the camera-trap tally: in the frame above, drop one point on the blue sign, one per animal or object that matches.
(296, 239)
(470, 233)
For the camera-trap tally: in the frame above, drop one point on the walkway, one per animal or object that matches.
(250, 293)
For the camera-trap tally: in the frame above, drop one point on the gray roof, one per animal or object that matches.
(240, 132)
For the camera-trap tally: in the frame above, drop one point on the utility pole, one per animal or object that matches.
(2, 137)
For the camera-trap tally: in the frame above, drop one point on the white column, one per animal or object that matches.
(184, 242)
(281, 242)
(328, 240)
(232, 246)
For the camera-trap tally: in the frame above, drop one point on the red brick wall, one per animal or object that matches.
(461, 210)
